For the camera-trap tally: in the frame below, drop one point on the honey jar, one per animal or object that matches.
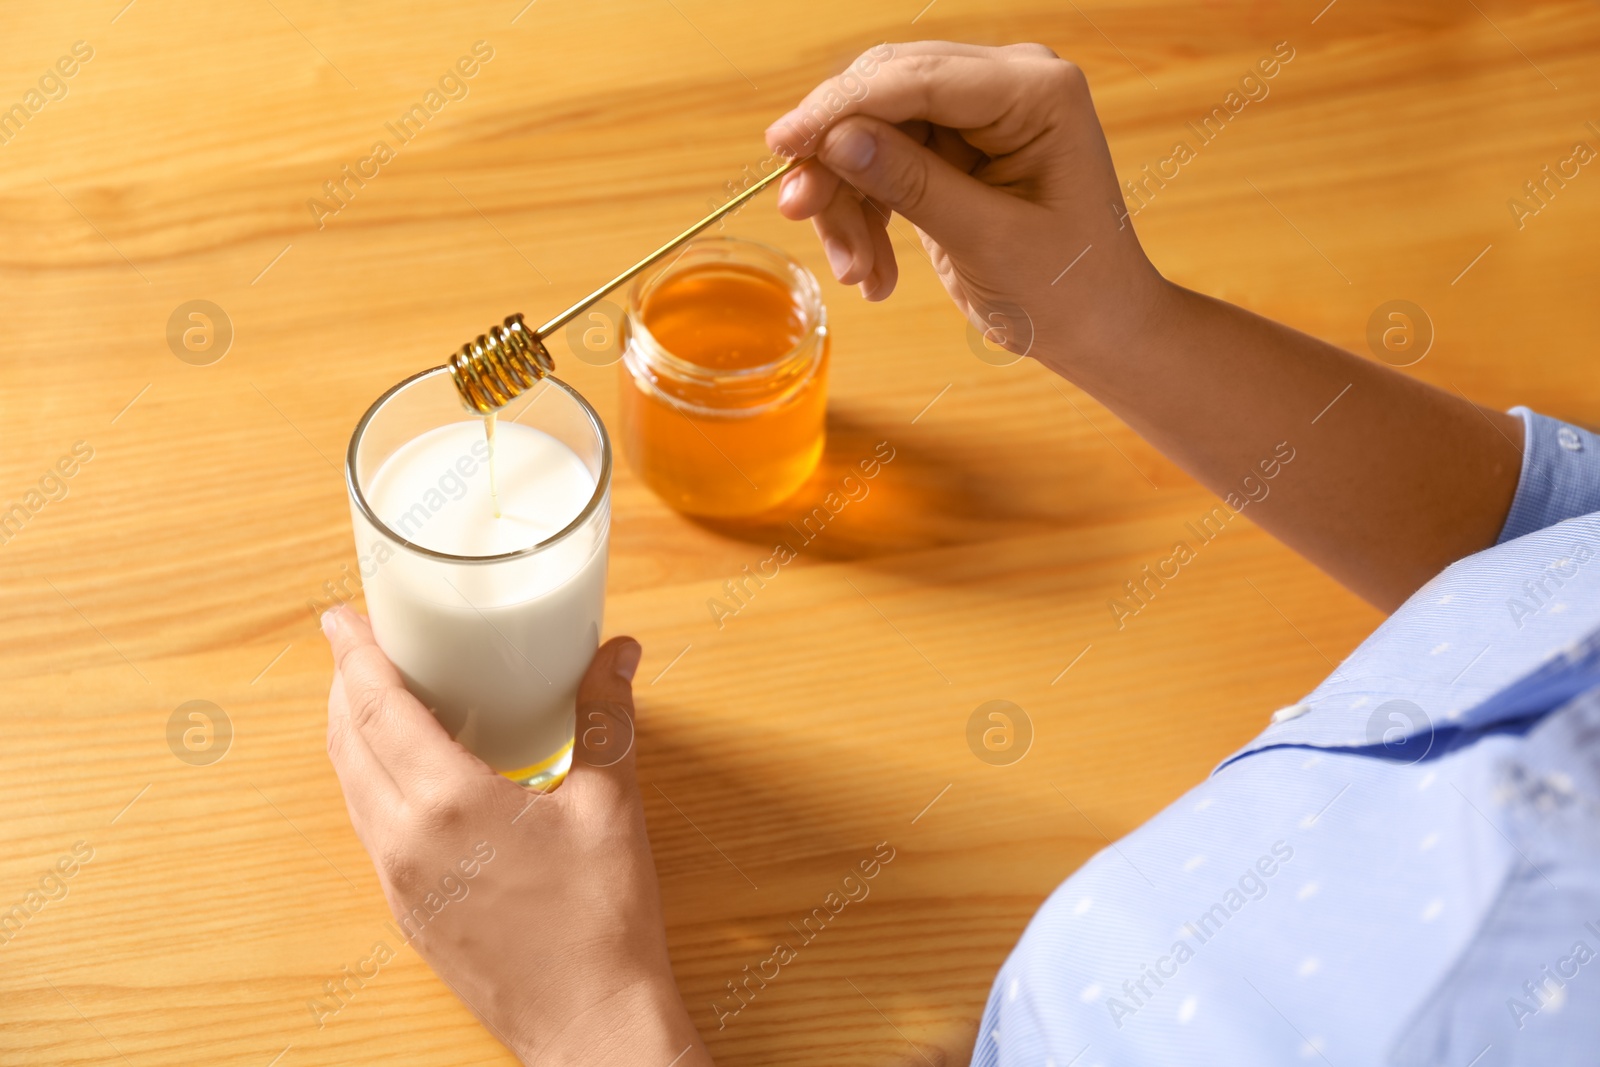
(724, 378)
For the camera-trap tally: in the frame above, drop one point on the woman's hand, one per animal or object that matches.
(539, 909)
(996, 156)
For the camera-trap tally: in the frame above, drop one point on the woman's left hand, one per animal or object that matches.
(540, 910)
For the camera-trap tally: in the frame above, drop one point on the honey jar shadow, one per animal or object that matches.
(874, 492)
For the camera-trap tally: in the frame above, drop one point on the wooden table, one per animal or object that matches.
(832, 712)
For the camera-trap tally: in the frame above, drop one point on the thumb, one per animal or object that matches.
(953, 208)
(603, 735)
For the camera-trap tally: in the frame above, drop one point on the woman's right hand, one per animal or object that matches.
(997, 158)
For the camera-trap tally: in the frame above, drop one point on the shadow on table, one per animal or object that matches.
(723, 823)
(921, 494)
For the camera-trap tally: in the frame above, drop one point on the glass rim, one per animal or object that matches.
(601, 488)
(807, 290)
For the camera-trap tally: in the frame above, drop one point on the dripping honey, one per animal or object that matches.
(724, 380)
(488, 434)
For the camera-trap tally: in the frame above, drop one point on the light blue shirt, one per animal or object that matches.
(1404, 868)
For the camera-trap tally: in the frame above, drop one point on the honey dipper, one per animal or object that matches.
(499, 365)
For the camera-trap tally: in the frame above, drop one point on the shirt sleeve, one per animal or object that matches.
(1560, 475)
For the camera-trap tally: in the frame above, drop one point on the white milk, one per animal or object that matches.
(495, 649)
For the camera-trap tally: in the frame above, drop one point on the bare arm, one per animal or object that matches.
(998, 159)
(1392, 479)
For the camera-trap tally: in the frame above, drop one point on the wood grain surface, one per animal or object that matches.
(830, 713)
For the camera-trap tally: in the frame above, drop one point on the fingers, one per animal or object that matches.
(367, 787)
(403, 737)
(1000, 98)
(846, 237)
(906, 127)
(603, 738)
(855, 239)
(951, 147)
(883, 163)
(885, 270)
(804, 192)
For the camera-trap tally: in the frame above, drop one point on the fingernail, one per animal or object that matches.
(627, 661)
(853, 148)
(839, 257)
(789, 190)
(330, 623)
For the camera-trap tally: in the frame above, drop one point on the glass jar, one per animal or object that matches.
(724, 378)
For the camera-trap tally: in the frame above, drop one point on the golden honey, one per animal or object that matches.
(724, 378)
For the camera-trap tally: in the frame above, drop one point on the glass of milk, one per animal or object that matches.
(485, 580)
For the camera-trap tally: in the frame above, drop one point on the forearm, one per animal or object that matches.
(1392, 479)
